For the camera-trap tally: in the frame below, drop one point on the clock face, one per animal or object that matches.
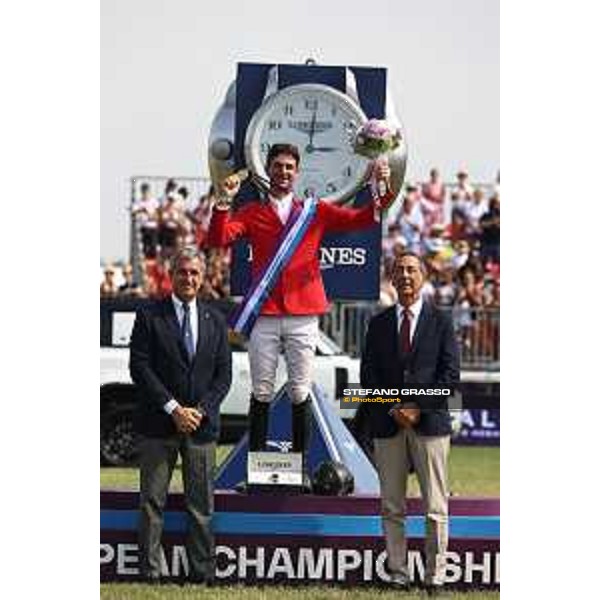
(321, 122)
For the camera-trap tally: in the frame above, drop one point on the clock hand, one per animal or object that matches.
(324, 149)
(311, 132)
(313, 123)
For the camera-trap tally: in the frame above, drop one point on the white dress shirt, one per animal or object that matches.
(415, 310)
(282, 206)
(172, 404)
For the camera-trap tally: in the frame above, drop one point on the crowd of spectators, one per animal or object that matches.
(461, 252)
(454, 226)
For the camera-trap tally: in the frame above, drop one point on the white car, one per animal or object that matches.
(333, 370)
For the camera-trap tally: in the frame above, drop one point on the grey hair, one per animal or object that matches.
(186, 253)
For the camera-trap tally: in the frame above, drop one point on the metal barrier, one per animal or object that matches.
(477, 331)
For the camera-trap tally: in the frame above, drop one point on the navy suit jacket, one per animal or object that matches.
(433, 359)
(161, 370)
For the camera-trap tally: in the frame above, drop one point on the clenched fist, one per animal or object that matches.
(227, 188)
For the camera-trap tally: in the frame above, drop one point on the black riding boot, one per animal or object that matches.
(258, 425)
(301, 428)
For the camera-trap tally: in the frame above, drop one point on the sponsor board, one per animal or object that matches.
(477, 426)
(308, 538)
(277, 559)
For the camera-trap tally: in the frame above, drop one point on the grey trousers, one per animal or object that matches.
(429, 455)
(158, 457)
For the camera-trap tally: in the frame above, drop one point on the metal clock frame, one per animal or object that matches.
(252, 140)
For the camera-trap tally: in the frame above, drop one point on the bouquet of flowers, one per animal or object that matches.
(376, 138)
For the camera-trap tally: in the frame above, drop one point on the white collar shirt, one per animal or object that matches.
(178, 304)
(282, 206)
(415, 310)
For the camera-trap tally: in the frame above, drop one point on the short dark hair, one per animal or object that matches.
(405, 253)
(277, 149)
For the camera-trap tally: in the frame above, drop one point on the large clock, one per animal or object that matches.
(321, 122)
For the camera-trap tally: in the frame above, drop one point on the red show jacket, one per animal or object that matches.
(299, 289)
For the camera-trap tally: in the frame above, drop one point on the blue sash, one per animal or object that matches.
(245, 316)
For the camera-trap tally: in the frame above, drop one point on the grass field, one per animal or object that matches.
(126, 591)
(473, 472)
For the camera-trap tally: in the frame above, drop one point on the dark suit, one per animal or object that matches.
(162, 371)
(433, 359)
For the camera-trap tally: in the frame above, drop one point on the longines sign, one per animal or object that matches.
(336, 256)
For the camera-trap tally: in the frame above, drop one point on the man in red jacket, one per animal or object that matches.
(289, 316)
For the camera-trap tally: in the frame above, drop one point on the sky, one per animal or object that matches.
(166, 65)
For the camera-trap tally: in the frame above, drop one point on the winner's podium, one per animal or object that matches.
(330, 440)
(303, 538)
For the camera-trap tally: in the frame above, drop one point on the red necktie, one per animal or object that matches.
(405, 331)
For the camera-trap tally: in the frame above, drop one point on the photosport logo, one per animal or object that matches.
(354, 394)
